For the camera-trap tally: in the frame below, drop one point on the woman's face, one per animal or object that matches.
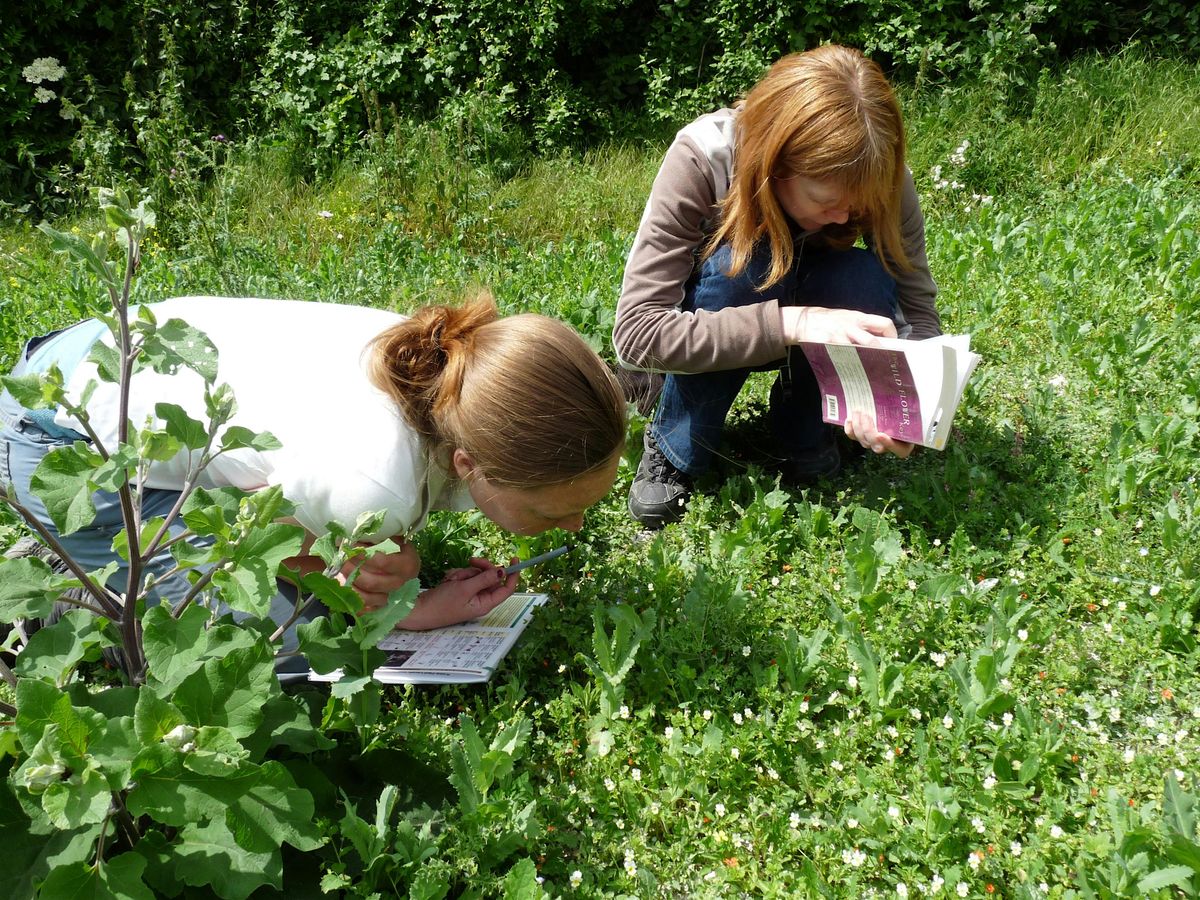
(531, 511)
(810, 202)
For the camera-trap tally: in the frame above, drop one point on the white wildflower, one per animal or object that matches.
(1015, 848)
(947, 721)
(989, 782)
(746, 650)
(576, 878)
(44, 68)
(44, 95)
(962, 889)
(1055, 832)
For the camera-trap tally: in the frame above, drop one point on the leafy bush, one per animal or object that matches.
(500, 77)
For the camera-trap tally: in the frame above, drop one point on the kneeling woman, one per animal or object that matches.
(447, 409)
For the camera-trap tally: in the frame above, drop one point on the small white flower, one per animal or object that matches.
(1015, 848)
(852, 824)
(636, 774)
(962, 889)
(935, 884)
(854, 857)
(735, 752)
(623, 712)
(655, 807)
(977, 824)
(1008, 719)
(989, 782)
(630, 865)
(852, 682)
(794, 820)
(803, 706)
(1058, 381)
(1097, 531)
(576, 878)
(901, 889)
(947, 721)
(737, 718)
(937, 542)
(1022, 635)
(610, 784)
(325, 214)
(1114, 714)
(44, 68)
(915, 713)
(719, 809)
(1055, 832)
(562, 668)
(1143, 552)
(974, 859)
(836, 766)
(746, 650)
(707, 714)
(939, 659)
(668, 731)
(43, 95)
(1155, 589)
(893, 812)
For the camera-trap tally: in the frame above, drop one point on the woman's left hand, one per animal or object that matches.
(382, 574)
(464, 595)
(861, 427)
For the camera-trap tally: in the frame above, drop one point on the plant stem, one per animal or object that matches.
(110, 603)
(7, 674)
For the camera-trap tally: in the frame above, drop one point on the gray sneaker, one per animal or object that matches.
(660, 491)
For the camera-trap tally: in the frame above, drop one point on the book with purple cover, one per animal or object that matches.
(912, 388)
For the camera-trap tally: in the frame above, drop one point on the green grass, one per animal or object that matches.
(978, 665)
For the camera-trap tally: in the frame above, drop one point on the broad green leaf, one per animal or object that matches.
(120, 468)
(79, 249)
(175, 343)
(287, 723)
(248, 587)
(521, 882)
(174, 795)
(179, 425)
(174, 648)
(54, 651)
(63, 482)
(208, 855)
(349, 685)
(39, 703)
(157, 446)
(327, 648)
(107, 361)
(216, 752)
(154, 717)
(29, 857)
(120, 878)
(26, 589)
(1172, 875)
(335, 595)
(35, 391)
(229, 691)
(1179, 809)
(274, 811)
(81, 800)
(236, 438)
(369, 629)
(150, 528)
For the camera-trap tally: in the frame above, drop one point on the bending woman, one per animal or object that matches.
(746, 248)
(447, 409)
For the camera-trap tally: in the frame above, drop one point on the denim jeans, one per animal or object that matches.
(23, 445)
(692, 408)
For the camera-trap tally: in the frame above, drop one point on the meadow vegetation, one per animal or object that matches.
(974, 673)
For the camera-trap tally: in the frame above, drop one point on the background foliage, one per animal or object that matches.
(164, 79)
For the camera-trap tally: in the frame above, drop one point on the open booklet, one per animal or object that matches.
(457, 654)
(912, 388)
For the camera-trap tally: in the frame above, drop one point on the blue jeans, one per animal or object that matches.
(23, 445)
(692, 408)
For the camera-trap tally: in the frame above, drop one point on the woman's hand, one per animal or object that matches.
(860, 426)
(834, 326)
(382, 574)
(464, 595)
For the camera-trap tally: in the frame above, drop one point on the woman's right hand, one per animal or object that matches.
(819, 325)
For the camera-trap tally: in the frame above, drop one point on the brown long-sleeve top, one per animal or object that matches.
(652, 332)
